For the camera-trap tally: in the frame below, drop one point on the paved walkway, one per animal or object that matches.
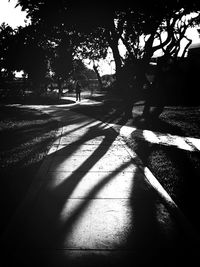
(93, 203)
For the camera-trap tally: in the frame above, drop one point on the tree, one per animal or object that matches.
(148, 22)
(83, 73)
(6, 40)
(137, 24)
(29, 54)
(93, 46)
(62, 62)
(24, 50)
(125, 21)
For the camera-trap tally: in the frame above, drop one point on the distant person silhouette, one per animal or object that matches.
(78, 91)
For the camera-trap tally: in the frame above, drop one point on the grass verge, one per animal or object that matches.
(25, 137)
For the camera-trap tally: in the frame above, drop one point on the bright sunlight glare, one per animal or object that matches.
(12, 15)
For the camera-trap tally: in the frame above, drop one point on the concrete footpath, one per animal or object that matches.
(93, 203)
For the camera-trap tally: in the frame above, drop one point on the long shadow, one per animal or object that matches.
(147, 237)
(89, 258)
(187, 191)
(16, 112)
(150, 240)
(24, 134)
(20, 162)
(19, 137)
(78, 212)
(157, 124)
(180, 179)
(68, 149)
(22, 153)
(157, 238)
(35, 100)
(46, 230)
(76, 129)
(76, 176)
(107, 112)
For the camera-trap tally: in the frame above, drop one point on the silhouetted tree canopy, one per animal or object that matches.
(6, 40)
(94, 26)
(126, 21)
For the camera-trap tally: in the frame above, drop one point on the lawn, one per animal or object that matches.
(25, 136)
(178, 170)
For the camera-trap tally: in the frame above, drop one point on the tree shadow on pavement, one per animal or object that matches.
(63, 191)
(158, 238)
(107, 112)
(69, 185)
(44, 227)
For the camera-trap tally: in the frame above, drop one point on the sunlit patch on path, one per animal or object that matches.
(185, 143)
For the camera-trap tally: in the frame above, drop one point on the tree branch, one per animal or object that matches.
(186, 47)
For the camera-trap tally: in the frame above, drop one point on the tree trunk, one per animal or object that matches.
(59, 89)
(113, 40)
(118, 62)
(98, 75)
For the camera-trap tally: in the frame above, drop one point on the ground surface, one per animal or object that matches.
(92, 204)
(27, 134)
(178, 170)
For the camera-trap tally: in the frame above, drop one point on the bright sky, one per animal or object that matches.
(11, 15)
